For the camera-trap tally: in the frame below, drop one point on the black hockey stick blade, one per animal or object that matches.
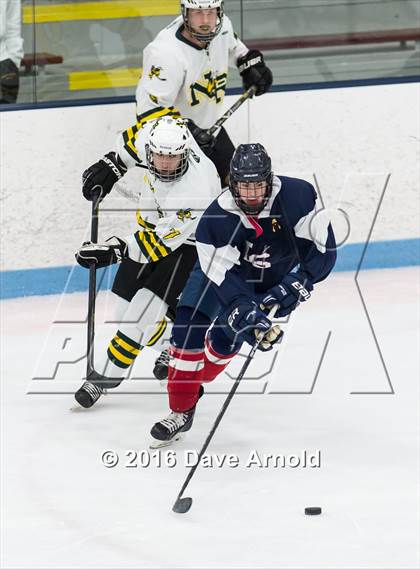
(182, 505)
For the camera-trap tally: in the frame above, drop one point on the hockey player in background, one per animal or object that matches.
(259, 244)
(177, 183)
(185, 70)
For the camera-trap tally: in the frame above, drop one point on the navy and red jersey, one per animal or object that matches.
(243, 255)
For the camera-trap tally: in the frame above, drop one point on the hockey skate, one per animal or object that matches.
(171, 429)
(160, 371)
(90, 391)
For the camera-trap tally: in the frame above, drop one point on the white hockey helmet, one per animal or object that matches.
(203, 5)
(168, 137)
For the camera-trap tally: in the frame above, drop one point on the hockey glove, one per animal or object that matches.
(204, 140)
(100, 178)
(113, 251)
(9, 81)
(273, 336)
(243, 320)
(254, 71)
(293, 289)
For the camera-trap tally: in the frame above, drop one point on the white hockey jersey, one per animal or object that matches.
(168, 211)
(179, 74)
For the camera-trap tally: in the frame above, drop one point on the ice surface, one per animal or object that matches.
(62, 508)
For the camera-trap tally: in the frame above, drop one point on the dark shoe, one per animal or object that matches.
(160, 371)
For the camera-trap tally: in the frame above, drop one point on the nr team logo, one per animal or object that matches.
(155, 72)
(209, 86)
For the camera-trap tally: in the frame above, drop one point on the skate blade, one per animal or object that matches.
(155, 444)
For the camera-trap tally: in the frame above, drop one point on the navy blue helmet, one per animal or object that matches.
(250, 163)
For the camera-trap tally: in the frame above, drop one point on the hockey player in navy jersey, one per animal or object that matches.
(260, 244)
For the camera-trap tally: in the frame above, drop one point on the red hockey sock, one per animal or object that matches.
(214, 363)
(184, 378)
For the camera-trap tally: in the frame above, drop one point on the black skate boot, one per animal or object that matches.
(169, 430)
(160, 371)
(91, 390)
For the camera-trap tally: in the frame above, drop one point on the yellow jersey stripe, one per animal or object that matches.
(131, 139)
(141, 245)
(156, 245)
(145, 246)
(130, 134)
(156, 115)
(130, 148)
(142, 222)
(162, 244)
(117, 9)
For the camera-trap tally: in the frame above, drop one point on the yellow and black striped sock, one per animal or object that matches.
(122, 350)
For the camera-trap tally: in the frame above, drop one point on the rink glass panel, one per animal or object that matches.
(102, 55)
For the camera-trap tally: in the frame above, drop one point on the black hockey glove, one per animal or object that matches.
(113, 251)
(254, 71)
(242, 320)
(293, 289)
(9, 82)
(101, 176)
(204, 140)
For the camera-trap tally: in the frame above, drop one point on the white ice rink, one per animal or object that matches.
(62, 508)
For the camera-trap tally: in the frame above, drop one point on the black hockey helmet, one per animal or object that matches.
(250, 163)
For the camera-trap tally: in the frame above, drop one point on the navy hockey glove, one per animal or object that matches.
(204, 140)
(113, 251)
(254, 71)
(293, 289)
(242, 320)
(104, 174)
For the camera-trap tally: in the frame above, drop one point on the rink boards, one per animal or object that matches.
(358, 146)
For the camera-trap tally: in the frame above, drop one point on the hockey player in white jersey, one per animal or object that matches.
(177, 183)
(185, 70)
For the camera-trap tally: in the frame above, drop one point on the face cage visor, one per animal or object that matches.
(164, 176)
(204, 37)
(247, 208)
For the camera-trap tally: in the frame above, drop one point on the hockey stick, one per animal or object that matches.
(182, 505)
(92, 286)
(248, 94)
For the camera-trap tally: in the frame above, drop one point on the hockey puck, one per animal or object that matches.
(313, 511)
